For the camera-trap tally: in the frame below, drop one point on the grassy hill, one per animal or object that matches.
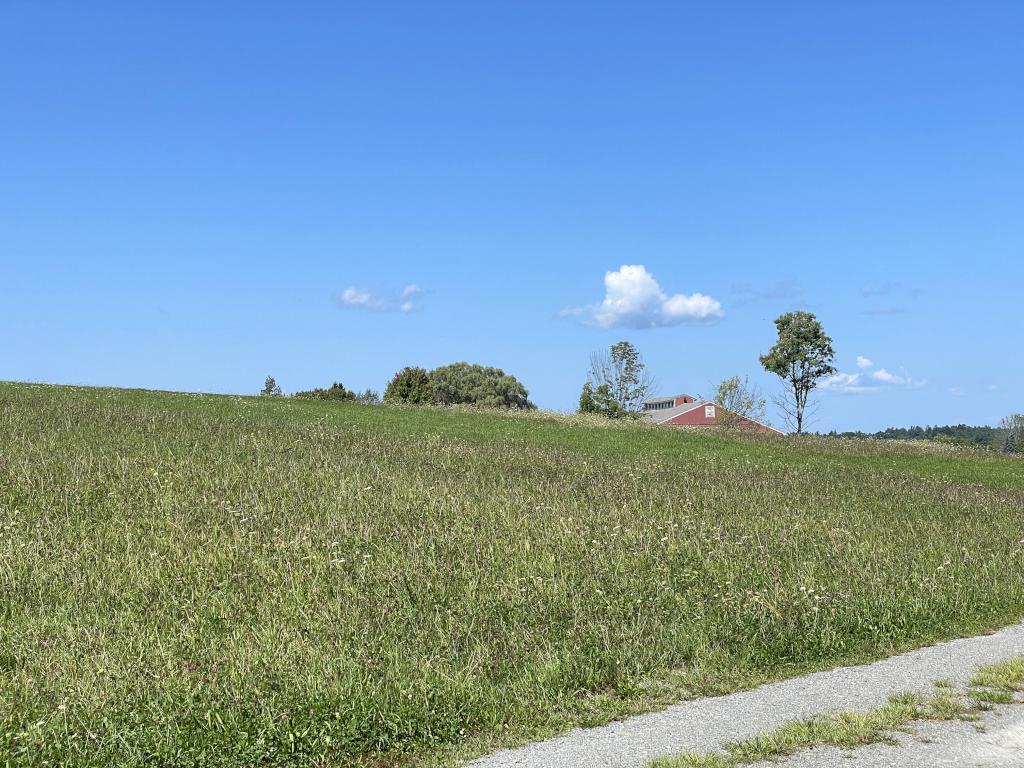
(197, 580)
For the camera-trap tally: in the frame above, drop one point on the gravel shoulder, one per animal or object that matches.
(703, 725)
(996, 740)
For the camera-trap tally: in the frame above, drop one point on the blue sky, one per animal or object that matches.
(187, 193)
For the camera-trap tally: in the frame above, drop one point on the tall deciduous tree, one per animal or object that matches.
(618, 382)
(802, 355)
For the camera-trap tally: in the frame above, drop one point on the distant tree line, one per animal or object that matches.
(455, 384)
(1008, 437)
(962, 433)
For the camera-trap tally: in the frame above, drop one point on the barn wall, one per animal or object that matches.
(696, 418)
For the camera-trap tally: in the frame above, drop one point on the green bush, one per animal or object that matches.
(458, 384)
(463, 383)
(368, 397)
(336, 391)
(599, 400)
(410, 385)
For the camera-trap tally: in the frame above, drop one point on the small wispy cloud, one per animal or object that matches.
(956, 391)
(848, 382)
(784, 290)
(408, 297)
(893, 294)
(889, 378)
(992, 387)
(355, 297)
(634, 299)
(359, 298)
(883, 289)
(868, 380)
(884, 311)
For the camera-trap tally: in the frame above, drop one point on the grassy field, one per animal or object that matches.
(193, 580)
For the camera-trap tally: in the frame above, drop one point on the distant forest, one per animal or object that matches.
(986, 437)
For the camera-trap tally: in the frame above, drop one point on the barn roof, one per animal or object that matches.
(661, 415)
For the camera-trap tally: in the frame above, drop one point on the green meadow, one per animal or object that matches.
(199, 580)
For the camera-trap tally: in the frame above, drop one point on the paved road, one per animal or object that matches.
(996, 741)
(702, 725)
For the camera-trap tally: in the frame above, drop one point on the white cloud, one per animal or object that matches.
(876, 290)
(869, 381)
(841, 379)
(358, 298)
(354, 297)
(784, 290)
(847, 382)
(888, 310)
(408, 298)
(891, 292)
(992, 387)
(633, 299)
(889, 378)
(956, 391)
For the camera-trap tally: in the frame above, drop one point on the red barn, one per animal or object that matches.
(687, 411)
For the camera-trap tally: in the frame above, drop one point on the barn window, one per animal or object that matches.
(709, 411)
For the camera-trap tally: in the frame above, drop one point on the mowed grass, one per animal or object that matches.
(195, 580)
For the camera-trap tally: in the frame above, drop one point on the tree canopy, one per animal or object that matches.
(336, 391)
(410, 385)
(1012, 429)
(465, 383)
(271, 388)
(739, 399)
(617, 382)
